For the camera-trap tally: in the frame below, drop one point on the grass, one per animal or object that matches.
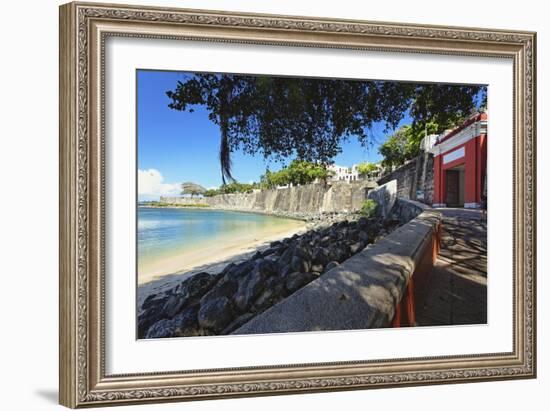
(159, 204)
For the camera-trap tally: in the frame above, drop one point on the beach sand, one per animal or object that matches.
(161, 274)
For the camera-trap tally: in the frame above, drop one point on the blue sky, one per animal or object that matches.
(175, 146)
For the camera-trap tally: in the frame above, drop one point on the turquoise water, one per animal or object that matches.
(167, 232)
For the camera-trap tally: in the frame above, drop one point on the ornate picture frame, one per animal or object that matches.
(84, 28)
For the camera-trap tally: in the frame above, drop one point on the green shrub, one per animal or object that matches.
(368, 208)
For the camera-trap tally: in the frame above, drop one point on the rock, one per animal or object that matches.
(297, 280)
(331, 265)
(242, 269)
(153, 299)
(302, 250)
(215, 314)
(337, 253)
(268, 252)
(249, 289)
(354, 235)
(320, 256)
(296, 263)
(193, 288)
(187, 322)
(153, 314)
(162, 329)
(257, 255)
(299, 264)
(284, 271)
(267, 267)
(236, 323)
(277, 284)
(356, 247)
(363, 236)
(266, 299)
(173, 306)
(274, 260)
(280, 250)
(182, 325)
(286, 257)
(318, 268)
(226, 287)
(228, 268)
(342, 224)
(362, 223)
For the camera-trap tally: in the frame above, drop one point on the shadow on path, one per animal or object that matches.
(456, 292)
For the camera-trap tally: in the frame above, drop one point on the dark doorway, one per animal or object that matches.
(453, 187)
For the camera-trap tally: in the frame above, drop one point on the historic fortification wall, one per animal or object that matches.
(414, 179)
(299, 201)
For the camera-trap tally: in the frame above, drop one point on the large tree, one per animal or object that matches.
(308, 118)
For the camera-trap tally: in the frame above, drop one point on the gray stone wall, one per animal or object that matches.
(385, 197)
(299, 201)
(413, 178)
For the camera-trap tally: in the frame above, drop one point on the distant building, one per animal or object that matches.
(460, 164)
(342, 173)
(349, 174)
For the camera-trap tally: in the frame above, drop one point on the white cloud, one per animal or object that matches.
(151, 184)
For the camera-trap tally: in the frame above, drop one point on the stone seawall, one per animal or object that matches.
(299, 201)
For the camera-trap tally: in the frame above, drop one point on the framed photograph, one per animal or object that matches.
(259, 204)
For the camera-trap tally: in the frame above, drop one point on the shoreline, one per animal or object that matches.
(201, 258)
(288, 216)
(169, 281)
(172, 278)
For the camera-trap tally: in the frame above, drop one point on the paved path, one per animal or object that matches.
(456, 292)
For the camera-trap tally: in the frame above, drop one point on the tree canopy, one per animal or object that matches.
(404, 144)
(367, 169)
(232, 188)
(297, 173)
(307, 118)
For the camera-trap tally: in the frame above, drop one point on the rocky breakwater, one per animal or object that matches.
(208, 304)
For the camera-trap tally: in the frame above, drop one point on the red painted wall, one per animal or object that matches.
(405, 312)
(475, 168)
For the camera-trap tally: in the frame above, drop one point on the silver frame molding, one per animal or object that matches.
(83, 30)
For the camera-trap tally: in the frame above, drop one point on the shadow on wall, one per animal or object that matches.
(385, 196)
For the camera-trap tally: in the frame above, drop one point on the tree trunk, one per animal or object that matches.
(225, 152)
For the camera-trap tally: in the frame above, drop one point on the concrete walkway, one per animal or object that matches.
(456, 292)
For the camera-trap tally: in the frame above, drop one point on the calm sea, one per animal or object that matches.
(164, 233)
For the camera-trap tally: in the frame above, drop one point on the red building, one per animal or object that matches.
(460, 164)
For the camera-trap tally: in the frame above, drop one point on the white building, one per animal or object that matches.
(341, 173)
(350, 174)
